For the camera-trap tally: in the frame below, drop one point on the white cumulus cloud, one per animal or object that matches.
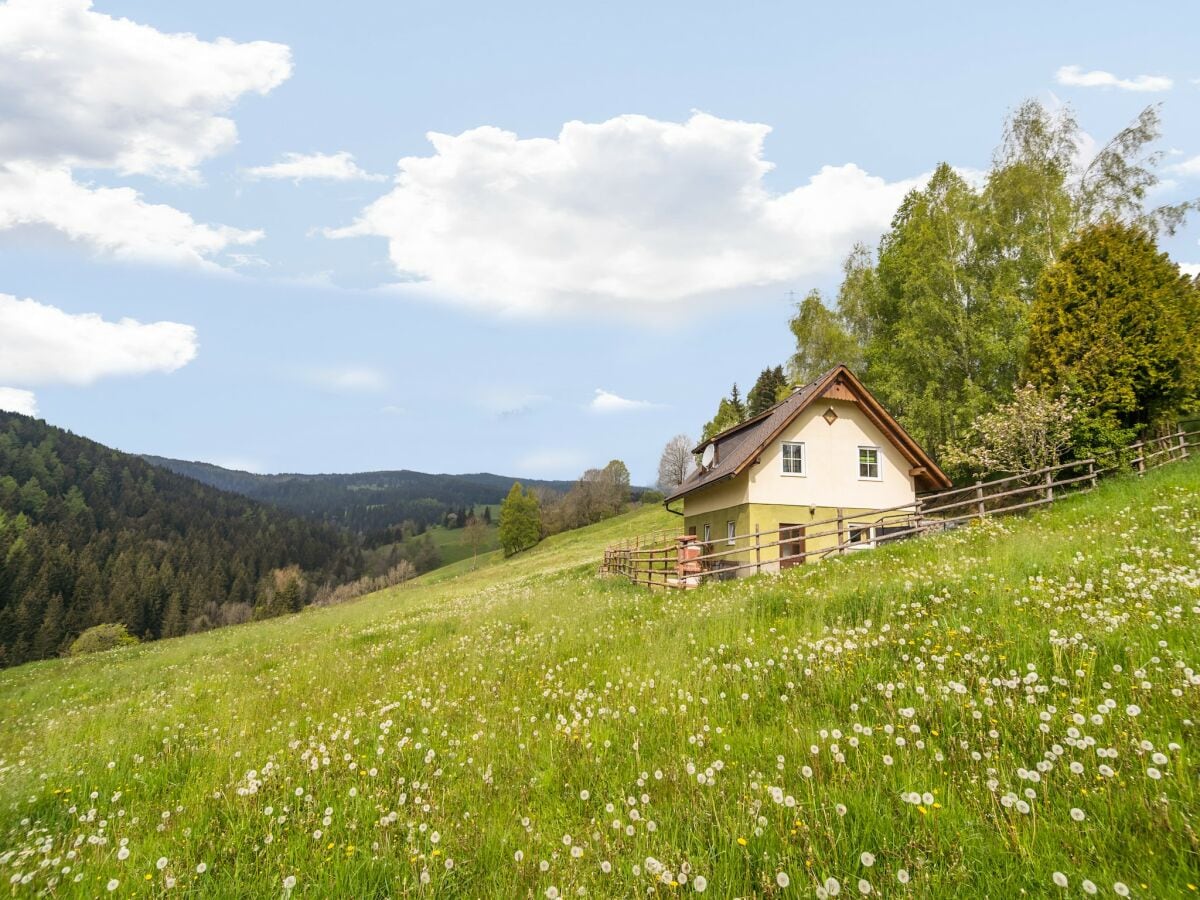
(84, 90)
(629, 212)
(1188, 167)
(608, 402)
(1190, 269)
(115, 222)
(18, 401)
(338, 166)
(42, 344)
(1074, 76)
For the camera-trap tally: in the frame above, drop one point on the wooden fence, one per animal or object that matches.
(665, 559)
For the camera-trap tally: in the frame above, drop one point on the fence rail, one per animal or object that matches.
(665, 559)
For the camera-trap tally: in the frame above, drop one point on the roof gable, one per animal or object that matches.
(738, 447)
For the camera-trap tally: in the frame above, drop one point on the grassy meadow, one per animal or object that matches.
(1008, 710)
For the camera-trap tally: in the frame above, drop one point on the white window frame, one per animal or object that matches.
(872, 536)
(731, 533)
(783, 459)
(878, 463)
(707, 533)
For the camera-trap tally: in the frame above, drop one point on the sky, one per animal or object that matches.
(523, 238)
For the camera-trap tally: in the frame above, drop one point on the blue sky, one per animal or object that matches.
(466, 318)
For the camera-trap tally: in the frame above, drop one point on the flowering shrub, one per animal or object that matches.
(1033, 431)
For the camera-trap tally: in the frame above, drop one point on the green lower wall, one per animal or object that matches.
(767, 517)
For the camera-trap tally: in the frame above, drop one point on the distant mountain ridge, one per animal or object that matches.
(363, 502)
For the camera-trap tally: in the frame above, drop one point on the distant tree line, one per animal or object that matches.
(527, 516)
(1044, 274)
(89, 536)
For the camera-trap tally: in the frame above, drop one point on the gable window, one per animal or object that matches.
(730, 533)
(868, 463)
(793, 458)
(707, 532)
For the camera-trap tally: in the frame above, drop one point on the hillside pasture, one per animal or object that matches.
(1005, 710)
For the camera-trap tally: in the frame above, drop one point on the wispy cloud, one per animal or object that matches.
(508, 402)
(1074, 76)
(298, 167)
(608, 402)
(348, 378)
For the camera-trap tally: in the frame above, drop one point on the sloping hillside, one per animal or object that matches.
(89, 534)
(986, 713)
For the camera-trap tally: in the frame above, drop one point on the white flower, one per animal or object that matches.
(123, 853)
(699, 883)
(1154, 773)
(113, 884)
(902, 876)
(434, 838)
(289, 882)
(833, 887)
(201, 868)
(552, 893)
(1089, 887)
(1133, 709)
(606, 867)
(781, 879)
(1120, 889)
(1078, 814)
(1060, 879)
(867, 859)
(864, 886)
(162, 863)
(519, 855)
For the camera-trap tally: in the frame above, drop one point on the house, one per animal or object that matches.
(830, 451)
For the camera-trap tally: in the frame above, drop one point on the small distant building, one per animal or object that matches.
(829, 450)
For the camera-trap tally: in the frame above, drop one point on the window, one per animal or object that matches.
(862, 537)
(730, 532)
(707, 532)
(868, 463)
(793, 459)
(692, 530)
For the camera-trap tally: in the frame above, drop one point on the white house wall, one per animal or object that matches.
(831, 464)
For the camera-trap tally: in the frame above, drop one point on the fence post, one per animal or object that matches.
(1140, 446)
(1092, 471)
(840, 522)
(979, 499)
(757, 553)
(1183, 451)
(1049, 487)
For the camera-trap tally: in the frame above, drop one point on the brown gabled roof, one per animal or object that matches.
(738, 447)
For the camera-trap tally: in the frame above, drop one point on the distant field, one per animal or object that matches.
(988, 713)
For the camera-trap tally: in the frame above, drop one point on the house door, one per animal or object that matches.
(792, 545)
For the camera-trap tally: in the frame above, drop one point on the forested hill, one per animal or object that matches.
(89, 535)
(363, 502)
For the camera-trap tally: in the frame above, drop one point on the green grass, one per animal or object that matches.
(735, 732)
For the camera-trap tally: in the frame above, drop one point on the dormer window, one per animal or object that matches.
(793, 458)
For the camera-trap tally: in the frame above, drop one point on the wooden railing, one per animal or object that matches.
(656, 559)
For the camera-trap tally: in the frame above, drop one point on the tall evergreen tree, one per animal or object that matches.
(1115, 320)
